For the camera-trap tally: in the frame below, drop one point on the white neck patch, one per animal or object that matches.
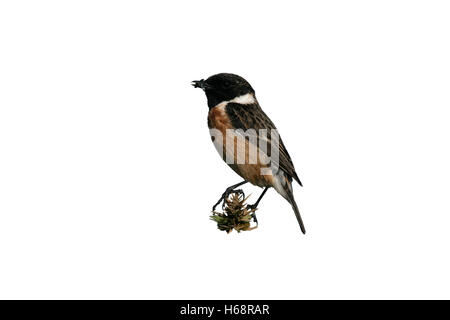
(248, 98)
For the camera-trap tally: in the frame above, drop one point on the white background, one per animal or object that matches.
(108, 174)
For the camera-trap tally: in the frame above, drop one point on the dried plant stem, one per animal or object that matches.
(236, 214)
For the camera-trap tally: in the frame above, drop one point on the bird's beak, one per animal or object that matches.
(200, 84)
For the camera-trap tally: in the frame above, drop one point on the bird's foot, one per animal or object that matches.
(225, 196)
(253, 207)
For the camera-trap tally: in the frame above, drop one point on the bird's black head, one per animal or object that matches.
(223, 87)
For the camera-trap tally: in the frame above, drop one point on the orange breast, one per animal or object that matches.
(218, 119)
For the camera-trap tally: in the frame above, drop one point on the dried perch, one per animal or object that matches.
(236, 214)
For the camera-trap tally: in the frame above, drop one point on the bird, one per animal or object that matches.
(235, 117)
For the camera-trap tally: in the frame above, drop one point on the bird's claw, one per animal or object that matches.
(253, 207)
(225, 196)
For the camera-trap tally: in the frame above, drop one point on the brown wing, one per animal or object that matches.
(253, 117)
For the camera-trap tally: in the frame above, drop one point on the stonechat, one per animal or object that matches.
(247, 139)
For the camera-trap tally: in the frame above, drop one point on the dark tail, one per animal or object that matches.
(296, 211)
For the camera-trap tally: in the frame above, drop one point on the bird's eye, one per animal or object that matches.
(226, 84)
